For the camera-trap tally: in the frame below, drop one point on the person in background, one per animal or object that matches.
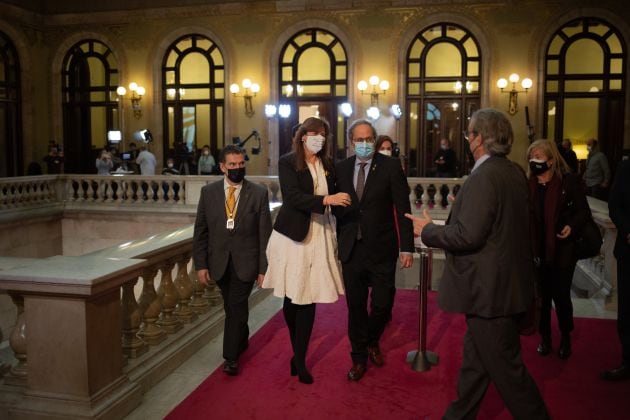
(104, 163)
(557, 207)
(147, 161)
(133, 155)
(229, 245)
(303, 266)
(54, 160)
(169, 169)
(384, 145)
(368, 241)
(489, 271)
(569, 156)
(445, 160)
(619, 210)
(206, 164)
(597, 173)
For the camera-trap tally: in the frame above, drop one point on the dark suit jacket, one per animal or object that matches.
(489, 267)
(213, 244)
(619, 210)
(385, 187)
(298, 201)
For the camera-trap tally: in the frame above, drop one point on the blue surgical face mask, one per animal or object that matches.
(364, 150)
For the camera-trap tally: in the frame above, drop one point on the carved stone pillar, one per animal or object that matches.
(198, 304)
(18, 374)
(184, 290)
(212, 293)
(150, 308)
(132, 345)
(168, 296)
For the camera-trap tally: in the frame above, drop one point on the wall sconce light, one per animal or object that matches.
(137, 92)
(514, 78)
(373, 113)
(459, 85)
(282, 110)
(249, 91)
(396, 111)
(345, 109)
(289, 90)
(376, 84)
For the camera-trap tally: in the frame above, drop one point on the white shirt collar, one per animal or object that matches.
(479, 161)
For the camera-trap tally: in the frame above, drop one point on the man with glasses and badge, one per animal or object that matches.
(368, 241)
(232, 228)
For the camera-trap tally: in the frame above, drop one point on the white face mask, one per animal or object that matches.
(385, 152)
(170, 165)
(444, 147)
(314, 143)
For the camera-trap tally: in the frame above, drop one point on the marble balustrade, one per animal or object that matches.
(82, 332)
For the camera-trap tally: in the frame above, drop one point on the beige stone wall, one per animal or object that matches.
(512, 37)
(37, 237)
(87, 232)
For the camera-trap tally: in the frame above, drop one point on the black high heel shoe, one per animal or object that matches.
(565, 347)
(304, 376)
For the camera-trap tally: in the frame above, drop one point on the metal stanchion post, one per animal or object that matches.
(421, 359)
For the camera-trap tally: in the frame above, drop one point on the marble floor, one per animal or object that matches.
(162, 398)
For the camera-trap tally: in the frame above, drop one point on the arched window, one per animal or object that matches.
(90, 104)
(193, 95)
(10, 110)
(443, 77)
(313, 82)
(585, 73)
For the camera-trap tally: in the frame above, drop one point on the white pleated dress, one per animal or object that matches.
(308, 271)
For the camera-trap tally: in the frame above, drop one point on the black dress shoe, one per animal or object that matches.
(375, 355)
(544, 348)
(357, 371)
(230, 367)
(620, 373)
(564, 351)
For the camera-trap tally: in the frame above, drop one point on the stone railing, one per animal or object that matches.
(87, 343)
(170, 191)
(124, 191)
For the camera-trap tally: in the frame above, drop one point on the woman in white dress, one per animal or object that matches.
(302, 250)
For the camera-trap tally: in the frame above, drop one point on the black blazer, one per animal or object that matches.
(298, 200)
(385, 189)
(213, 244)
(619, 210)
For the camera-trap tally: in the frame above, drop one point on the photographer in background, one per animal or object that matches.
(104, 163)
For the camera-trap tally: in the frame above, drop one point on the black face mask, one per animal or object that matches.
(538, 168)
(236, 175)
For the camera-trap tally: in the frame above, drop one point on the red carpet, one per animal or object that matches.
(264, 389)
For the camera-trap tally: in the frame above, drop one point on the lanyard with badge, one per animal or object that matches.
(230, 208)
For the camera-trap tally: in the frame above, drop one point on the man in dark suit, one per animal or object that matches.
(231, 232)
(619, 211)
(489, 272)
(368, 243)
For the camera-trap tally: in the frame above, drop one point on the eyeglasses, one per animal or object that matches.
(469, 135)
(364, 139)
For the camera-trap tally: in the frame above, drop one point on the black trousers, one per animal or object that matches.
(623, 308)
(492, 353)
(300, 320)
(556, 287)
(359, 273)
(235, 294)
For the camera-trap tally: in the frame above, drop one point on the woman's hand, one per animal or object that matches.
(565, 232)
(339, 199)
